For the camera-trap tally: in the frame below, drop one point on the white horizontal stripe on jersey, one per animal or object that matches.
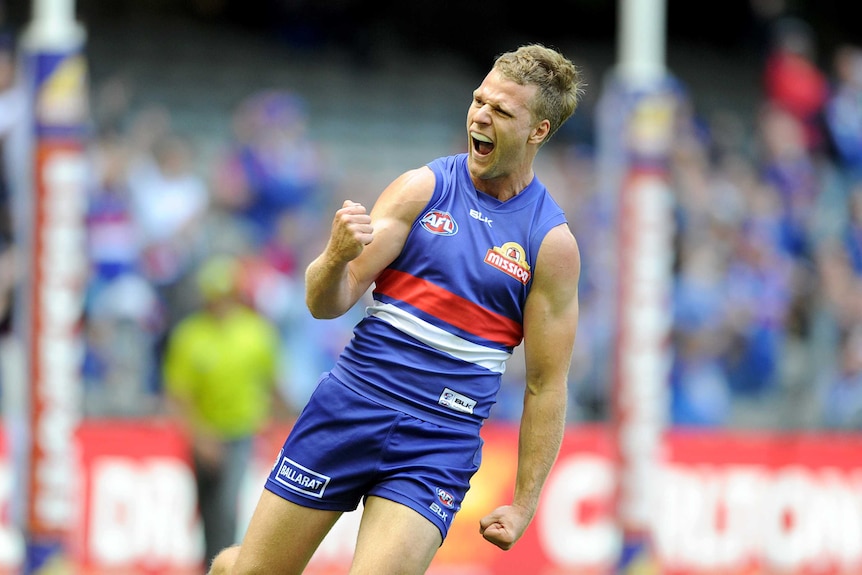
(441, 340)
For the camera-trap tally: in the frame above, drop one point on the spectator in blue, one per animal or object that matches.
(853, 231)
(700, 388)
(123, 315)
(272, 166)
(842, 400)
(112, 239)
(843, 113)
(787, 165)
(759, 293)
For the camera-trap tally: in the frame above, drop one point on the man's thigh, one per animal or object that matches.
(282, 536)
(394, 540)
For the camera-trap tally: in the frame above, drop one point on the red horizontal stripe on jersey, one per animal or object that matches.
(451, 308)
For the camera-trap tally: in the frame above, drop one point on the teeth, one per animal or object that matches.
(481, 138)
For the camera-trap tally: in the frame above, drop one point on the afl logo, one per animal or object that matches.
(445, 498)
(440, 223)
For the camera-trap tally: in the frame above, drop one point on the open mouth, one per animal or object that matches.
(481, 144)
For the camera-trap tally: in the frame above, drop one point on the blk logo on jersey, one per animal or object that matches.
(477, 215)
(511, 259)
(298, 478)
(440, 223)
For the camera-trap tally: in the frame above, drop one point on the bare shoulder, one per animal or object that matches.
(392, 218)
(406, 196)
(559, 257)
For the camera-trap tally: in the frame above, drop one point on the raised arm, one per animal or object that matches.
(550, 325)
(361, 245)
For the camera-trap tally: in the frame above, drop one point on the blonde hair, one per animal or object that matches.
(558, 81)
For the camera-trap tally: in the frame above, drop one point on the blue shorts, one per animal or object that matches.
(344, 447)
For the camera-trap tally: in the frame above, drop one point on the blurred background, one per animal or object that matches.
(238, 126)
(221, 125)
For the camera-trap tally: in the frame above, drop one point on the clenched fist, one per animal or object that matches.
(351, 231)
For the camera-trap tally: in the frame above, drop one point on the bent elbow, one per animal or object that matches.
(320, 314)
(320, 311)
(316, 311)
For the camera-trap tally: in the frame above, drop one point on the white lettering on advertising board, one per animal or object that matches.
(576, 482)
(790, 519)
(143, 512)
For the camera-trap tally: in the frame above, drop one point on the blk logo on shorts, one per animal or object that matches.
(456, 402)
(298, 478)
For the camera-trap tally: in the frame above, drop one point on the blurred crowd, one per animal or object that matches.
(767, 298)
(158, 214)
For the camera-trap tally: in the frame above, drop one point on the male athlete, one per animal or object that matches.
(468, 255)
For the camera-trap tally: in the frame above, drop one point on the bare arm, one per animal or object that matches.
(361, 245)
(550, 325)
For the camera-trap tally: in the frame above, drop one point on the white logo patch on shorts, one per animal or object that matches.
(298, 478)
(456, 402)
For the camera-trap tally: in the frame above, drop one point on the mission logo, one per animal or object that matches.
(511, 259)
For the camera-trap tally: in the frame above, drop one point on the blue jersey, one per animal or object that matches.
(448, 312)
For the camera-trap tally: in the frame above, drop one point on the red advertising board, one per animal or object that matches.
(727, 503)
(137, 501)
(760, 504)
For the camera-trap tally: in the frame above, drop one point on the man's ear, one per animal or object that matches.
(540, 132)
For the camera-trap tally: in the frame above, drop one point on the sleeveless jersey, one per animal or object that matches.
(448, 312)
